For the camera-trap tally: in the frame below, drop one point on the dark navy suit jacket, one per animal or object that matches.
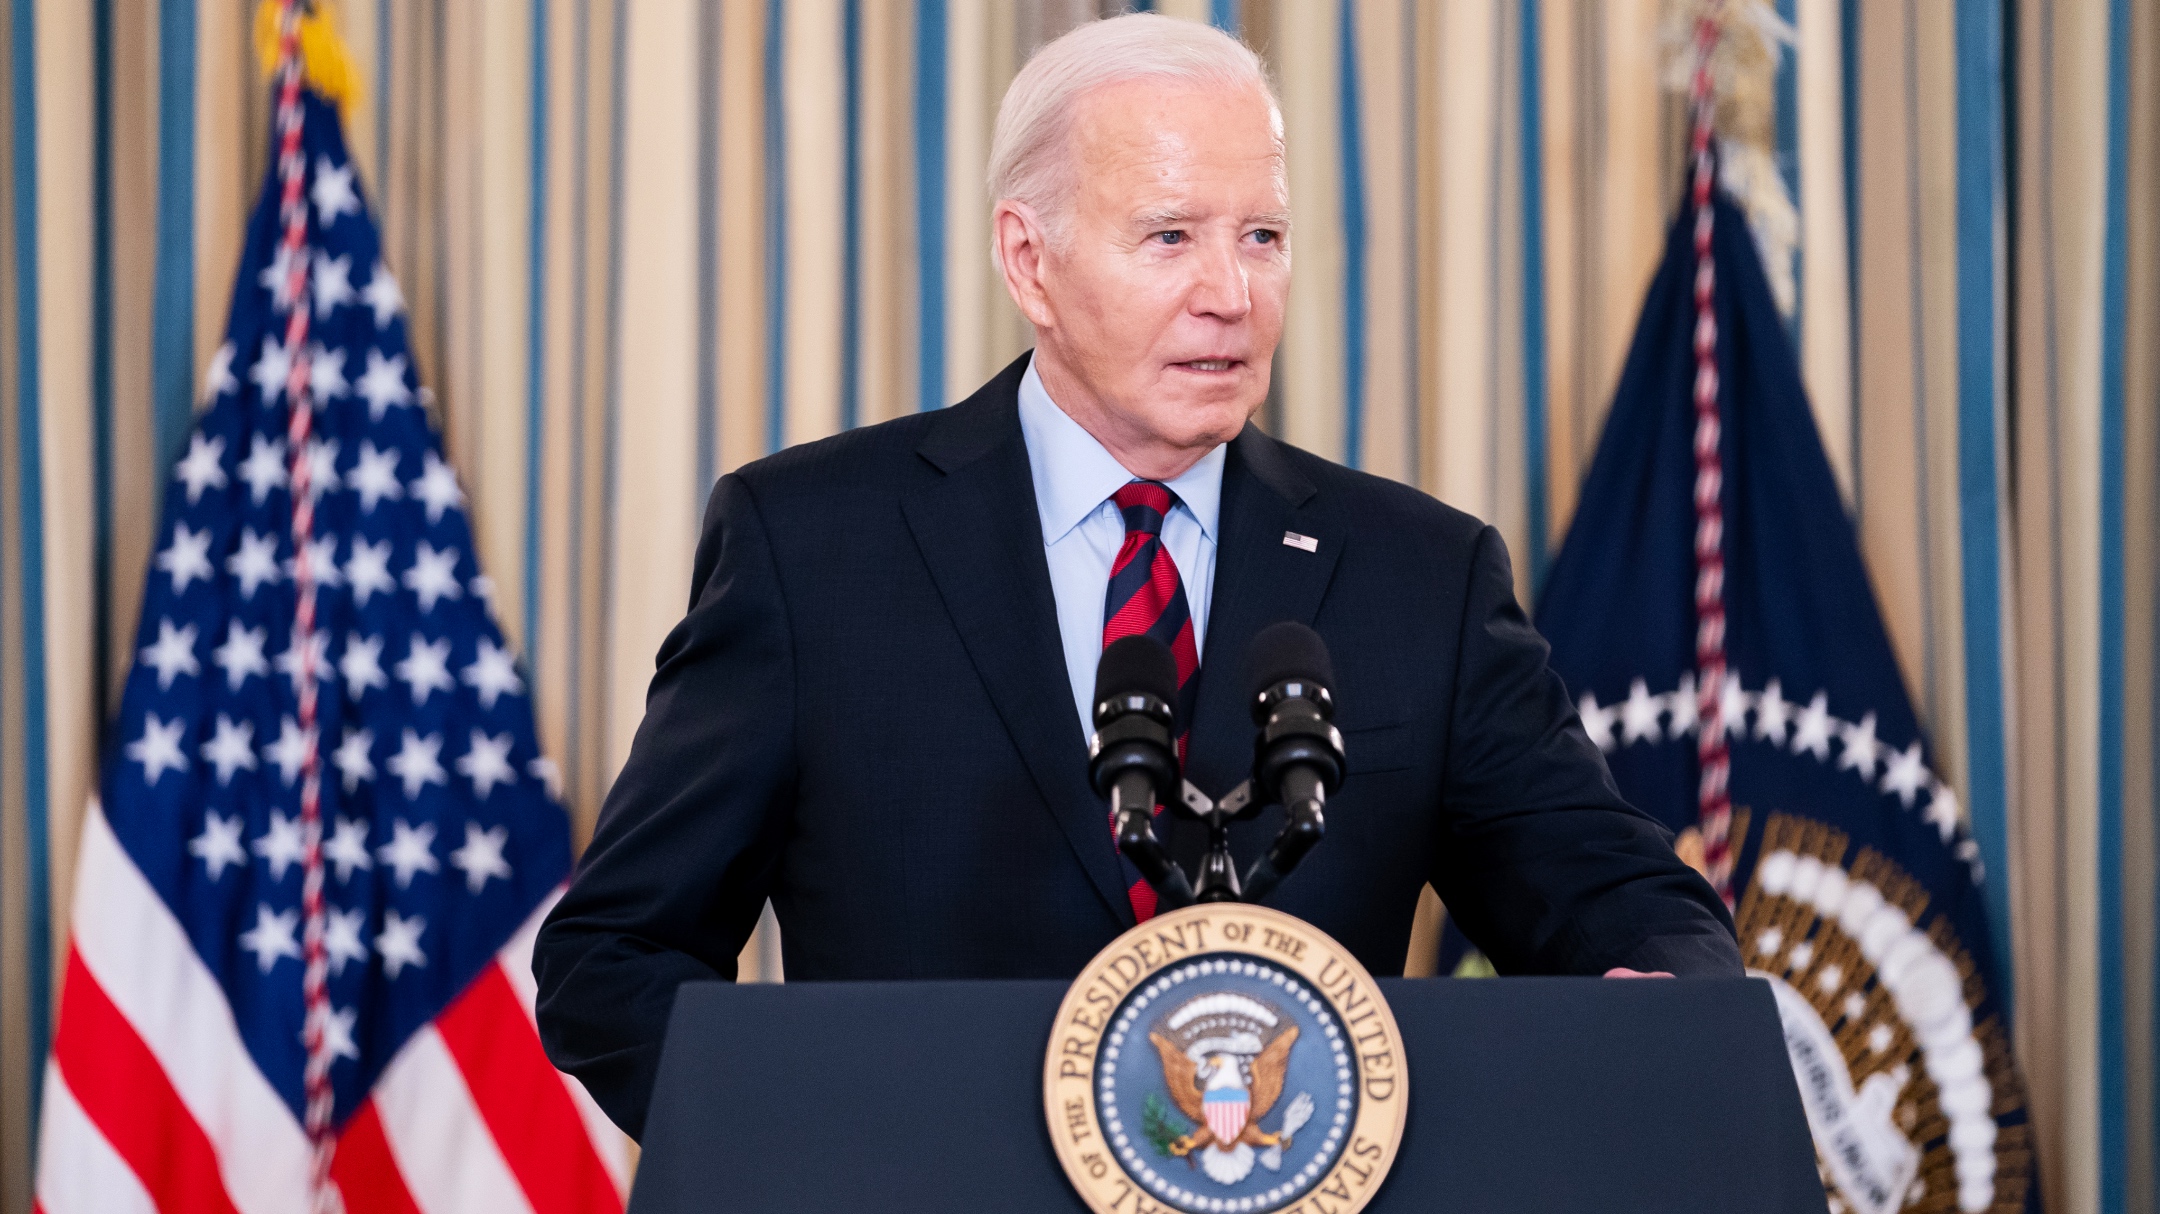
(866, 718)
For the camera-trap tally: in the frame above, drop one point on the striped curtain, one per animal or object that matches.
(646, 241)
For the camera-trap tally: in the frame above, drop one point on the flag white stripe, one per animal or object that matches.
(609, 1143)
(78, 1171)
(131, 943)
(449, 1159)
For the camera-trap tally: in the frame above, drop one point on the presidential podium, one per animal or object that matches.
(1551, 1095)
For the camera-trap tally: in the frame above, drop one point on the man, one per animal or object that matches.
(875, 712)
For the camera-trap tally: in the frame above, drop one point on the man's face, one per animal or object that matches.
(1165, 297)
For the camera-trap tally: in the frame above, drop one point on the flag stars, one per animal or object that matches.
(297, 664)
(173, 654)
(544, 770)
(333, 191)
(398, 943)
(1942, 814)
(188, 558)
(326, 375)
(231, 748)
(437, 488)
(1906, 774)
(487, 762)
(1813, 735)
(219, 379)
(382, 295)
(336, 1027)
(1773, 714)
(410, 851)
(347, 850)
(1596, 721)
(333, 285)
(418, 763)
(353, 758)
(203, 467)
(219, 843)
(273, 366)
(341, 937)
(277, 278)
(1639, 714)
(1733, 704)
(433, 576)
(264, 468)
(1862, 749)
(242, 654)
(271, 939)
(383, 384)
(367, 570)
(492, 674)
(280, 846)
(362, 664)
(291, 750)
(482, 855)
(426, 668)
(254, 562)
(158, 750)
(375, 477)
(322, 562)
(1686, 708)
(321, 467)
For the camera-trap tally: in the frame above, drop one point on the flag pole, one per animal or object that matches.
(1714, 801)
(294, 293)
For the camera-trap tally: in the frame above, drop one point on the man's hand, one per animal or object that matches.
(1621, 971)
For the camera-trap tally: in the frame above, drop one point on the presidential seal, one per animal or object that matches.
(1225, 1058)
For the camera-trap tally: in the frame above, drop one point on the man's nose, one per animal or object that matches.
(1221, 288)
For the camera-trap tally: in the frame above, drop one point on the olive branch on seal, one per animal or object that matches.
(1161, 1124)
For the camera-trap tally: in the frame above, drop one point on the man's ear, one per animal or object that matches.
(1016, 233)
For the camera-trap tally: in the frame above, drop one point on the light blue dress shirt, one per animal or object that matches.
(1082, 530)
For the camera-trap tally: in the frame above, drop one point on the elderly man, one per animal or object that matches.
(875, 713)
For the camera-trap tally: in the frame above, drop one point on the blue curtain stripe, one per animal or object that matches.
(1980, 192)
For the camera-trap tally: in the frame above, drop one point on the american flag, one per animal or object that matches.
(399, 829)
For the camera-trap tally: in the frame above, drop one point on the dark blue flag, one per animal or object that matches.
(1856, 888)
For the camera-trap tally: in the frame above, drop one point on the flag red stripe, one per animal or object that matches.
(125, 1094)
(366, 1173)
(521, 1098)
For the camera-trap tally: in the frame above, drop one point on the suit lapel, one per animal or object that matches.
(981, 537)
(1259, 580)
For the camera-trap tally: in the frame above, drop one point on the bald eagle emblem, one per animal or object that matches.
(1223, 1059)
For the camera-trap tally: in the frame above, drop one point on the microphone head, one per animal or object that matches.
(1284, 653)
(1137, 665)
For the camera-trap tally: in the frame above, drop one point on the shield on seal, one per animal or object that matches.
(1226, 1109)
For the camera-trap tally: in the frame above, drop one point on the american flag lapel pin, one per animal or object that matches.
(1292, 539)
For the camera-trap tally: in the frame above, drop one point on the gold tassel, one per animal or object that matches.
(323, 58)
(1743, 75)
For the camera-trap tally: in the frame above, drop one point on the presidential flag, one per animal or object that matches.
(1711, 611)
(300, 973)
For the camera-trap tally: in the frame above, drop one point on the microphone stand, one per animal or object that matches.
(1218, 879)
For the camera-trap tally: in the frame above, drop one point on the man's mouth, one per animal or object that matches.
(1207, 364)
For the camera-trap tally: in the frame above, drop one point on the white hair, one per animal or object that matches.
(1029, 162)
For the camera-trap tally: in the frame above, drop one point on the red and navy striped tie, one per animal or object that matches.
(1146, 596)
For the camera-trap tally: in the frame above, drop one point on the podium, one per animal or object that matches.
(1551, 1095)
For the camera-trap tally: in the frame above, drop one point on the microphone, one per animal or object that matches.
(1298, 756)
(1132, 757)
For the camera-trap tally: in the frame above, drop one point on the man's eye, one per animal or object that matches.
(1171, 237)
(1265, 236)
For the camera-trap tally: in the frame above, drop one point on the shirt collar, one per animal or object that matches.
(1074, 474)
